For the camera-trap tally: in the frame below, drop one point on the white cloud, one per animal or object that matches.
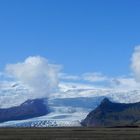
(37, 74)
(94, 77)
(125, 83)
(42, 78)
(136, 63)
(64, 76)
(88, 77)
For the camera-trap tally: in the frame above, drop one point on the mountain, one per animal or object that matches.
(28, 109)
(71, 103)
(110, 114)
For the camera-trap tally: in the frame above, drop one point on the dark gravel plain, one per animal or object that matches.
(70, 134)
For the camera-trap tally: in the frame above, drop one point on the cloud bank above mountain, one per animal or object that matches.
(39, 78)
(131, 81)
(37, 74)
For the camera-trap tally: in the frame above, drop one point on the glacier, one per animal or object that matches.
(68, 107)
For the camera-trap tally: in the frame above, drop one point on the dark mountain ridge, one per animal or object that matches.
(29, 109)
(109, 114)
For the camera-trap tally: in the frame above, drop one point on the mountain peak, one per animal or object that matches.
(105, 101)
(28, 109)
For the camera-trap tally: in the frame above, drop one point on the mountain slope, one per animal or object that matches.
(109, 114)
(29, 109)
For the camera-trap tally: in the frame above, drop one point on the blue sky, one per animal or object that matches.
(82, 35)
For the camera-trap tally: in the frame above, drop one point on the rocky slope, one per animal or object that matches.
(109, 114)
(29, 109)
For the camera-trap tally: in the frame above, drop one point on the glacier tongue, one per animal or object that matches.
(42, 123)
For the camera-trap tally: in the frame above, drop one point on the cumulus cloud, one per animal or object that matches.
(37, 74)
(136, 63)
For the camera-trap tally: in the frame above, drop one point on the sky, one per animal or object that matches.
(49, 47)
(80, 35)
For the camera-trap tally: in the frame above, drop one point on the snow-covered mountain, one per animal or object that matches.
(69, 105)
